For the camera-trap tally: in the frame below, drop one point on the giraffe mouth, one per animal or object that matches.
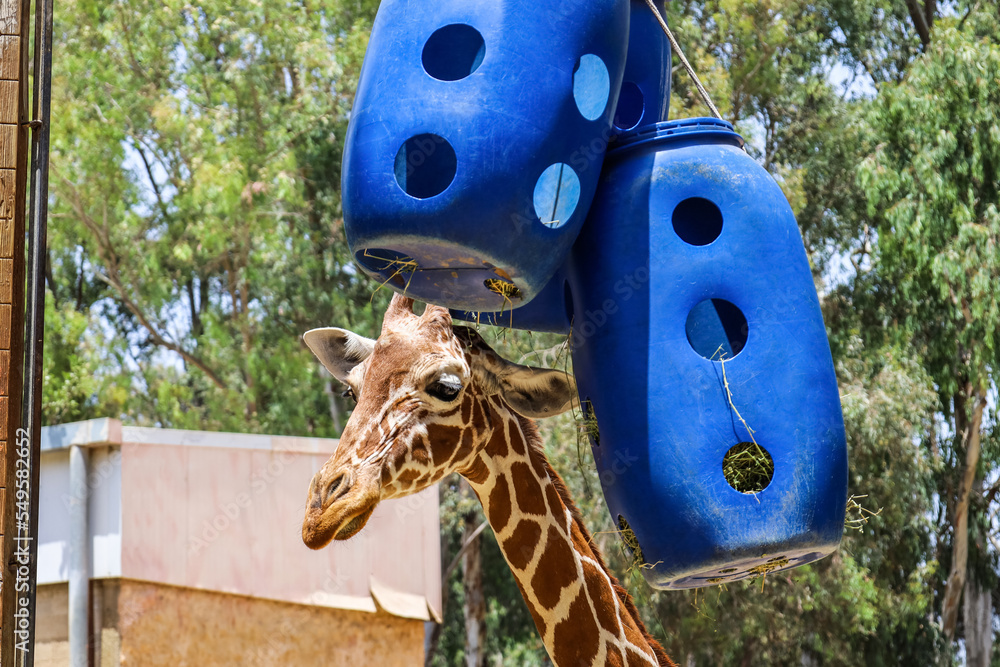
(352, 527)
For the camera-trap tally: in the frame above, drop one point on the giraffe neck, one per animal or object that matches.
(582, 613)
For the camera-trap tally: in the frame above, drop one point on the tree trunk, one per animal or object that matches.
(968, 433)
(475, 603)
(978, 614)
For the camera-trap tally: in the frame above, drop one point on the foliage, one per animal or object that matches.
(196, 205)
(197, 232)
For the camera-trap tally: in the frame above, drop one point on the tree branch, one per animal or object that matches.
(461, 552)
(919, 22)
(110, 260)
(960, 547)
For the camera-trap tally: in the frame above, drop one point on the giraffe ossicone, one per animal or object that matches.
(432, 399)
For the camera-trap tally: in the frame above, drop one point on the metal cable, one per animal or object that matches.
(684, 61)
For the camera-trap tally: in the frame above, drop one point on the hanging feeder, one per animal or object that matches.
(644, 98)
(476, 142)
(702, 362)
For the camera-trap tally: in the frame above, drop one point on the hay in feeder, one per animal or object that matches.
(774, 564)
(748, 467)
(400, 266)
(631, 542)
(588, 425)
(761, 570)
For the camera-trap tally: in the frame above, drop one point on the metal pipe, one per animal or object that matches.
(31, 406)
(79, 558)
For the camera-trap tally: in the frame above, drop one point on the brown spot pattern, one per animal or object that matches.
(556, 506)
(419, 453)
(581, 540)
(576, 639)
(477, 472)
(478, 416)
(499, 504)
(633, 635)
(465, 446)
(612, 655)
(408, 475)
(636, 659)
(520, 546)
(443, 441)
(602, 597)
(556, 570)
(516, 441)
(527, 490)
(539, 621)
(498, 446)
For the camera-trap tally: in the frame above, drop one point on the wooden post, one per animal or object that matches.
(13, 175)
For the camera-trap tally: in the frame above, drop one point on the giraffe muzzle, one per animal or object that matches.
(338, 507)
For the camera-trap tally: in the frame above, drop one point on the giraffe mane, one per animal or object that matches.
(534, 442)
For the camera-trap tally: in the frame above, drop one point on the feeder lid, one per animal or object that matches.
(687, 131)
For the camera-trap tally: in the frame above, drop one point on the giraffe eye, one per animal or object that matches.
(446, 388)
(349, 393)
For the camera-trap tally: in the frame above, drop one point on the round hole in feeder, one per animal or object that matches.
(631, 542)
(425, 165)
(453, 52)
(588, 423)
(697, 221)
(557, 192)
(748, 467)
(717, 329)
(631, 105)
(591, 86)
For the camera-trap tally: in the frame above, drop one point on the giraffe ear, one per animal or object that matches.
(532, 392)
(338, 350)
(538, 392)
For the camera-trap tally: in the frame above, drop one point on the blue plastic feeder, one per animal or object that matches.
(698, 341)
(644, 99)
(476, 141)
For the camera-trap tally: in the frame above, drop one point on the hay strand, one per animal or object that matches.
(403, 266)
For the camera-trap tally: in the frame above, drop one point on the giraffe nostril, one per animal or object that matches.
(337, 487)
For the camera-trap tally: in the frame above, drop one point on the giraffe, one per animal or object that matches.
(432, 399)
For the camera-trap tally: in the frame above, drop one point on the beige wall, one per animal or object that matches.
(152, 624)
(230, 520)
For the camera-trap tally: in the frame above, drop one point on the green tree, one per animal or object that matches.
(196, 188)
(933, 188)
(197, 232)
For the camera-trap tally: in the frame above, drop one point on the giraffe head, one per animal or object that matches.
(428, 398)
